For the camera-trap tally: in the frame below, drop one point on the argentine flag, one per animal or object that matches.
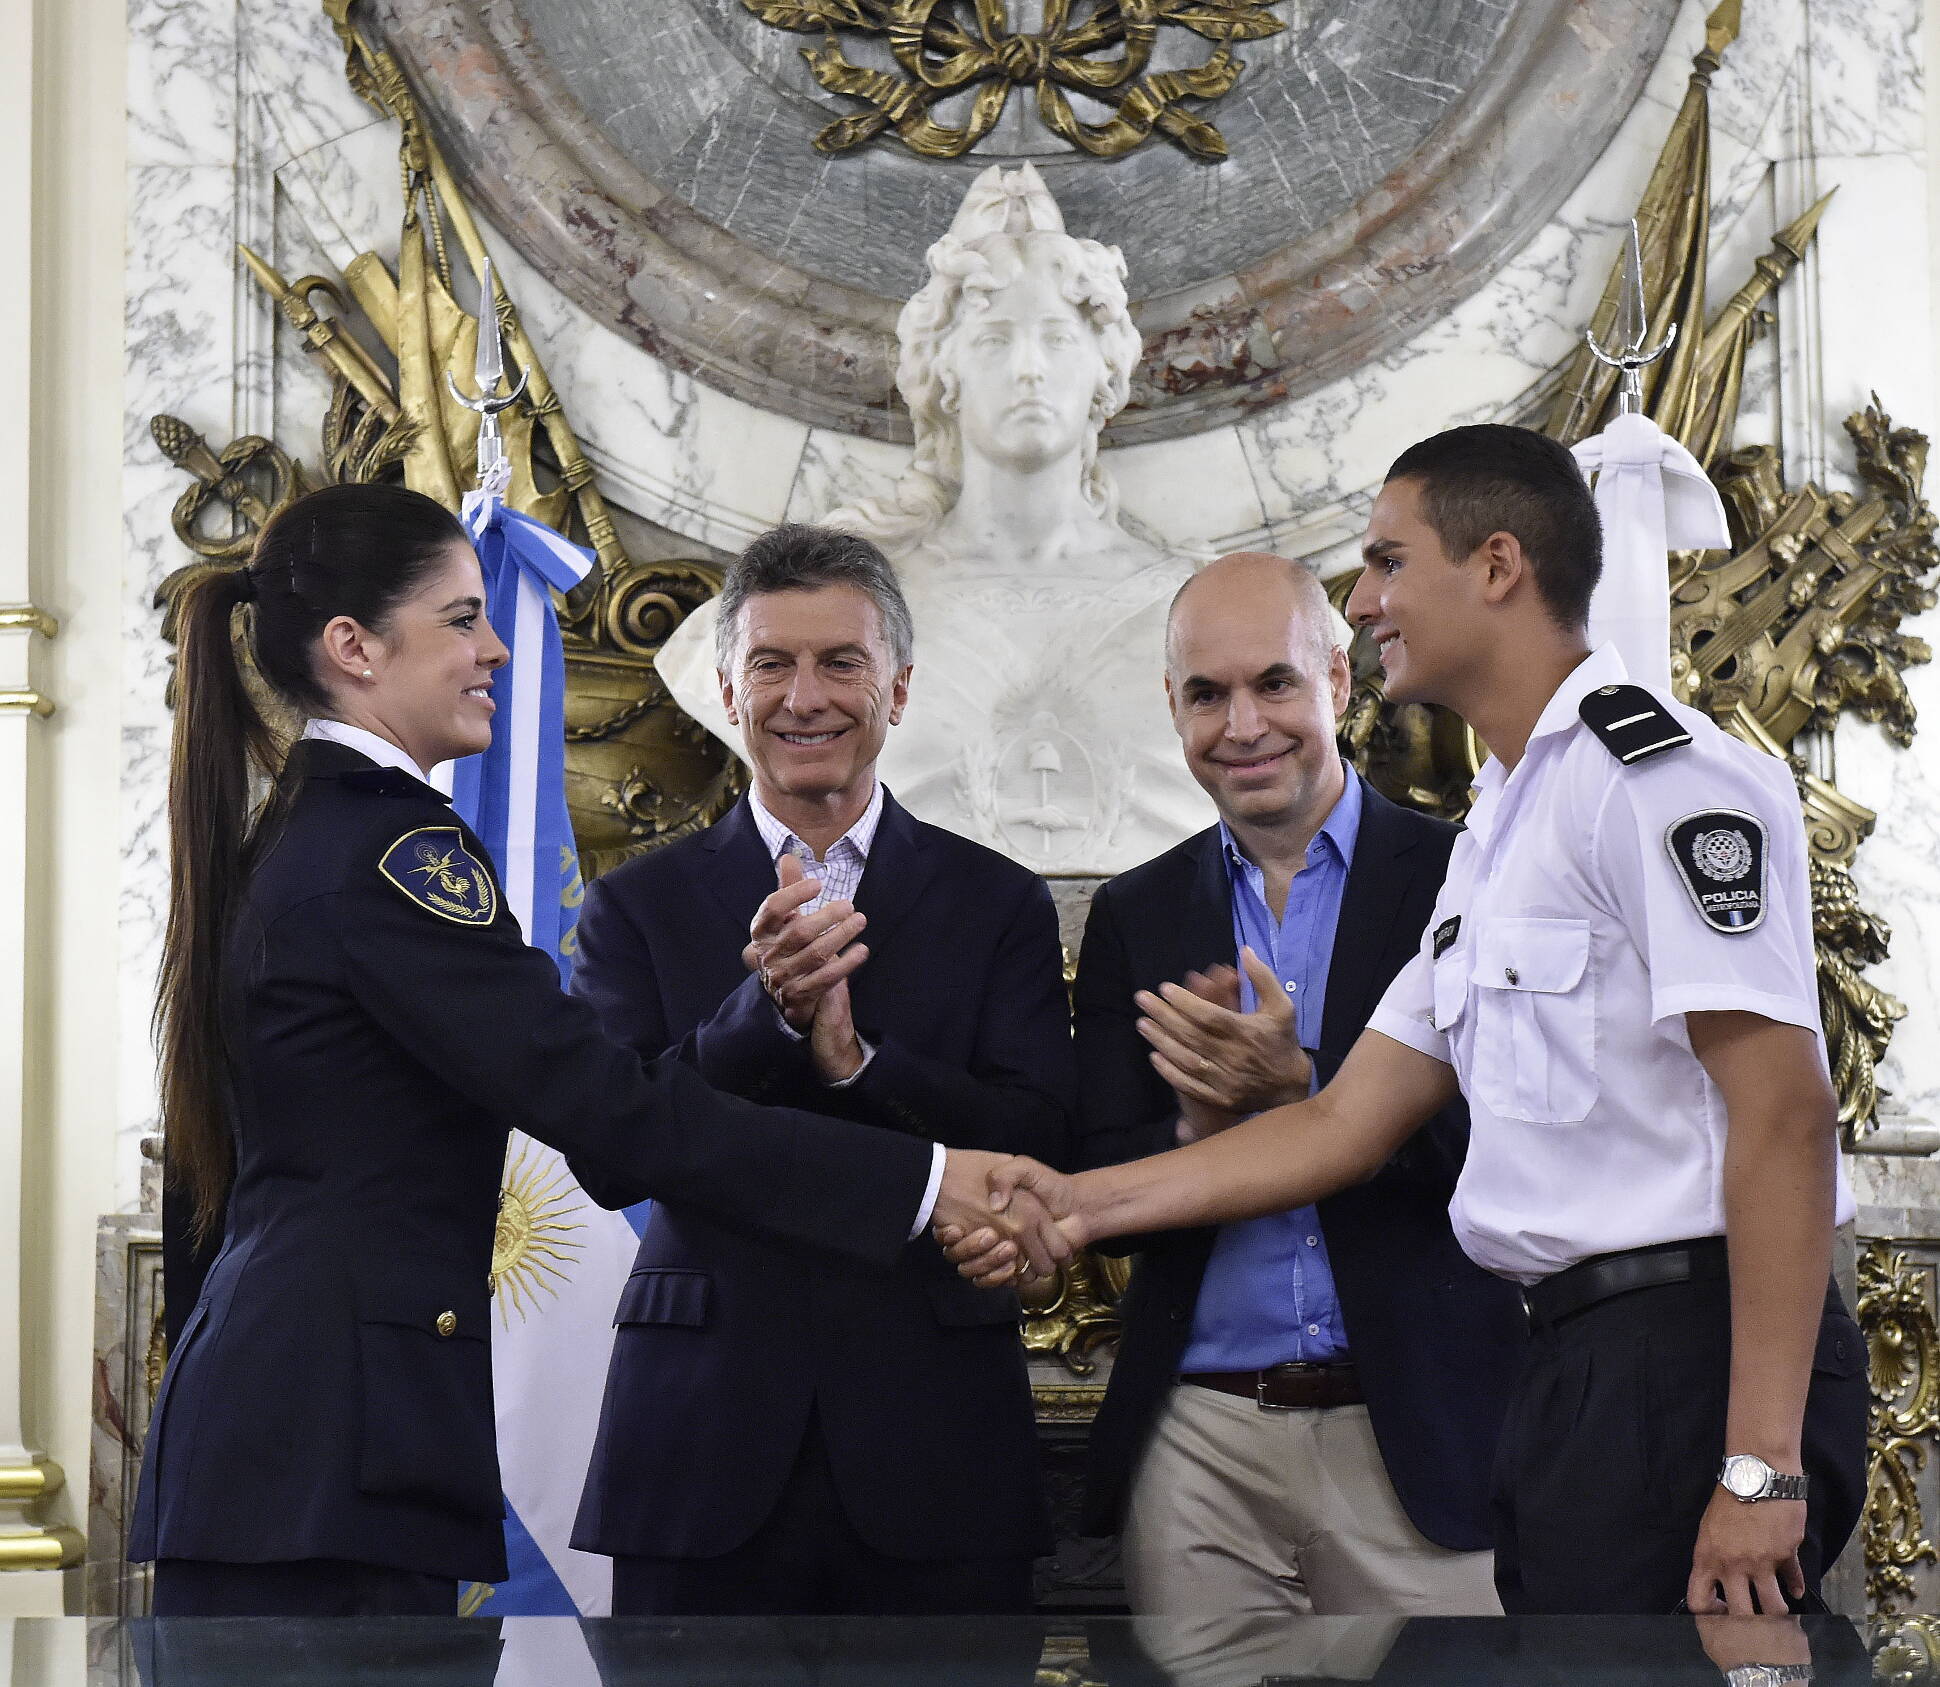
(558, 1261)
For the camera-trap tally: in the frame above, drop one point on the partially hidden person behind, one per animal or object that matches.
(350, 1023)
(816, 1436)
(1620, 977)
(1304, 1408)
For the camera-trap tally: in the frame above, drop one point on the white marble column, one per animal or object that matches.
(25, 628)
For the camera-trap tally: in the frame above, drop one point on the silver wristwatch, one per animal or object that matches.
(1766, 1675)
(1747, 1477)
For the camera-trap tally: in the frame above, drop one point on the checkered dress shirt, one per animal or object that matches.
(840, 870)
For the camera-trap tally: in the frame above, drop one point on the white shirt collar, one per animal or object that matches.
(1603, 666)
(778, 837)
(380, 750)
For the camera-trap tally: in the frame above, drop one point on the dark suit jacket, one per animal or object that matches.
(723, 1342)
(1436, 1339)
(331, 1396)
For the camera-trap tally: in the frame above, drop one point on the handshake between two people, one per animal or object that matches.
(1002, 1218)
(1223, 1064)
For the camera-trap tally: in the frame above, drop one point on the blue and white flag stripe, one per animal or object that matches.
(555, 1305)
(514, 794)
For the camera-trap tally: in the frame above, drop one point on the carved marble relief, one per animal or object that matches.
(1384, 158)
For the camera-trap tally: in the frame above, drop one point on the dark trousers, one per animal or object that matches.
(310, 1587)
(1614, 1438)
(808, 1560)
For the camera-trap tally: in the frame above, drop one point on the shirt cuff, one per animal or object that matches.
(868, 1054)
(938, 1155)
(787, 1030)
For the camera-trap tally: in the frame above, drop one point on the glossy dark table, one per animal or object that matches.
(884, 1652)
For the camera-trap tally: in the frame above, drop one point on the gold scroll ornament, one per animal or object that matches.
(1099, 49)
(1896, 1309)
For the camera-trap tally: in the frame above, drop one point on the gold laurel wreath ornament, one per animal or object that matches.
(1099, 49)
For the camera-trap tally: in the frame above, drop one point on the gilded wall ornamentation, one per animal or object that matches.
(1896, 1310)
(1099, 49)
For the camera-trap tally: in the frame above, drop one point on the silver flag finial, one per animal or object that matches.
(488, 372)
(488, 368)
(1630, 329)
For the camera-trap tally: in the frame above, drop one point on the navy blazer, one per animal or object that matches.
(331, 1396)
(723, 1343)
(1436, 1339)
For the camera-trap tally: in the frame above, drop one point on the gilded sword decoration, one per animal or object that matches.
(638, 772)
(953, 51)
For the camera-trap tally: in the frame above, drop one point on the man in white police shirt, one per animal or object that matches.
(1620, 975)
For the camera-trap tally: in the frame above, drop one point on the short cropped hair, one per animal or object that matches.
(1494, 479)
(797, 558)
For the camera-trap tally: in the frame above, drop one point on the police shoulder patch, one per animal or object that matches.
(1632, 724)
(1720, 854)
(435, 870)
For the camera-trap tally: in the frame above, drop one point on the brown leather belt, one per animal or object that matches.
(1286, 1388)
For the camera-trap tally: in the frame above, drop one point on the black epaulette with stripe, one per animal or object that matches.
(1633, 725)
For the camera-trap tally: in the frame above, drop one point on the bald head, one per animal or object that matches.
(1250, 585)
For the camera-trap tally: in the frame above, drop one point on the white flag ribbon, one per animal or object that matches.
(1654, 498)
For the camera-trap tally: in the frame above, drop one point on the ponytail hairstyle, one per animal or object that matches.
(357, 551)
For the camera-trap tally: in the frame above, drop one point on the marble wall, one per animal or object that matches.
(241, 128)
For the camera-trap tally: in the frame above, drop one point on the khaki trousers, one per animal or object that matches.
(1237, 1510)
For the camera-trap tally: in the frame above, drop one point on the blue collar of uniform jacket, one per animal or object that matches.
(326, 755)
(380, 750)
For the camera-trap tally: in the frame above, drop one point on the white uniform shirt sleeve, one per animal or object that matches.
(1767, 969)
(1407, 1009)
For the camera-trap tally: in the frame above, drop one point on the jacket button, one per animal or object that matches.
(447, 1323)
(1177, 1315)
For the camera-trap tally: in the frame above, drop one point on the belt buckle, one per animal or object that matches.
(1259, 1394)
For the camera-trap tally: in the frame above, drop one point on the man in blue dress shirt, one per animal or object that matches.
(1305, 1406)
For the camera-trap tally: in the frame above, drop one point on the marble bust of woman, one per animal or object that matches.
(1036, 721)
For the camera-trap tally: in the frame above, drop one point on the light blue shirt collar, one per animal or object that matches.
(1338, 833)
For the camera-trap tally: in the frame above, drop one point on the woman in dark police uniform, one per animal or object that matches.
(349, 1024)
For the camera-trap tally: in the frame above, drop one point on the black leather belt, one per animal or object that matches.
(1591, 1281)
(1286, 1388)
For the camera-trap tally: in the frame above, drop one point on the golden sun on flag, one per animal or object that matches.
(532, 1246)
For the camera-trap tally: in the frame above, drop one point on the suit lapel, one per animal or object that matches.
(1377, 884)
(741, 872)
(900, 867)
(1202, 933)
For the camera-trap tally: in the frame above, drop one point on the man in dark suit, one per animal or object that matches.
(791, 1437)
(1304, 1408)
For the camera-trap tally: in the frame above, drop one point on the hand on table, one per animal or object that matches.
(1217, 1059)
(1733, 1642)
(1750, 1552)
(799, 957)
(982, 1239)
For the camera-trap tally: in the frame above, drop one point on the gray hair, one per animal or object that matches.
(797, 558)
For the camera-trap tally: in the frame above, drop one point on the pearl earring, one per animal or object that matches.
(367, 673)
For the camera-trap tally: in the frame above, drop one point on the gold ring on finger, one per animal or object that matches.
(1205, 1065)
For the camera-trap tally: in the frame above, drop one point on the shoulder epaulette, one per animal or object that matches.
(1632, 724)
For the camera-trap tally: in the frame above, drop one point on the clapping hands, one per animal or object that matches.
(804, 962)
(1222, 1063)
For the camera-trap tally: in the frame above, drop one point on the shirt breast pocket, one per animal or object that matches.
(1535, 1020)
